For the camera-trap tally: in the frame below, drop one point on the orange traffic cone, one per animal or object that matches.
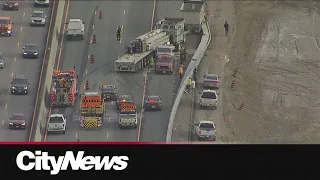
(241, 106)
(100, 14)
(94, 39)
(233, 84)
(235, 72)
(86, 87)
(91, 58)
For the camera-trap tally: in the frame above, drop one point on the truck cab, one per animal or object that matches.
(57, 123)
(75, 29)
(128, 116)
(205, 130)
(164, 64)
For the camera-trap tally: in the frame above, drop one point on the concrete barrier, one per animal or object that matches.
(195, 61)
(41, 120)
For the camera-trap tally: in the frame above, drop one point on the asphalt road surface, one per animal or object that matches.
(11, 47)
(155, 123)
(135, 22)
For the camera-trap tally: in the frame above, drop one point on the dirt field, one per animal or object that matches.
(276, 49)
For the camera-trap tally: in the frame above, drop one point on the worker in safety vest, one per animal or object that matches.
(152, 63)
(181, 72)
(189, 81)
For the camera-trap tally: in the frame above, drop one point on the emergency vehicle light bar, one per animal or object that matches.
(64, 72)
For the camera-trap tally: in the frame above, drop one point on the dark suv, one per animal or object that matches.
(19, 84)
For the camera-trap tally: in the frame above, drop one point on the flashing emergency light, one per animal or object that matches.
(104, 86)
(123, 100)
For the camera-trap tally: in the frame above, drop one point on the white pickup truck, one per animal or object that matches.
(205, 130)
(57, 123)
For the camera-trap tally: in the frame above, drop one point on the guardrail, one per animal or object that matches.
(195, 61)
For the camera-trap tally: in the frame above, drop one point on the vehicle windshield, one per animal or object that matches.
(18, 117)
(30, 47)
(4, 21)
(19, 81)
(206, 125)
(128, 115)
(37, 15)
(210, 77)
(107, 89)
(164, 50)
(153, 98)
(209, 95)
(55, 120)
(165, 59)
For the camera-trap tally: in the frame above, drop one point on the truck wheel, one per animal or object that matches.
(63, 132)
(81, 37)
(135, 126)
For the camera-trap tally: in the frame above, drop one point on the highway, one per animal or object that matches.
(75, 53)
(155, 123)
(11, 47)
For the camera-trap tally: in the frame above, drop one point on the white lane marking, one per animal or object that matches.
(124, 12)
(15, 59)
(107, 135)
(92, 26)
(109, 119)
(11, 74)
(86, 71)
(18, 44)
(2, 122)
(76, 135)
(24, 14)
(21, 29)
(6, 106)
(95, 12)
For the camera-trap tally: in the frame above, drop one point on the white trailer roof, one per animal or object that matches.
(132, 57)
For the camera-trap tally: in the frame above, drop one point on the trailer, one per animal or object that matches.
(193, 12)
(140, 51)
(174, 27)
(64, 90)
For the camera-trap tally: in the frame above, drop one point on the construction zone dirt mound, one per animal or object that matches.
(274, 67)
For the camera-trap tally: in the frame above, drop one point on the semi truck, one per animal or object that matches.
(92, 110)
(128, 116)
(64, 90)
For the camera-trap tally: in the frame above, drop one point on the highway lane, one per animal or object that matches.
(11, 47)
(155, 123)
(106, 51)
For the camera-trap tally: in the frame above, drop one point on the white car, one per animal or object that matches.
(208, 98)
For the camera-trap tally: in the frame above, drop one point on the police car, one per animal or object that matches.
(108, 92)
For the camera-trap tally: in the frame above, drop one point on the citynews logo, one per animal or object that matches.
(40, 161)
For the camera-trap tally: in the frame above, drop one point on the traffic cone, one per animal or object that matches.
(241, 106)
(100, 14)
(86, 87)
(235, 72)
(94, 39)
(91, 58)
(233, 84)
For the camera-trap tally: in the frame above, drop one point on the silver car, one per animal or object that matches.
(208, 98)
(38, 18)
(1, 61)
(211, 81)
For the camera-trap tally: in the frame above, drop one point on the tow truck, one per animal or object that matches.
(128, 115)
(92, 110)
(64, 90)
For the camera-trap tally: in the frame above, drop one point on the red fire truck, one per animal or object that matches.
(64, 88)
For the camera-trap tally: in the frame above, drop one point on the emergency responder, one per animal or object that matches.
(194, 73)
(226, 27)
(189, 81)
(181, 72)
(183, 54)
(152, 63)
(119, 33)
